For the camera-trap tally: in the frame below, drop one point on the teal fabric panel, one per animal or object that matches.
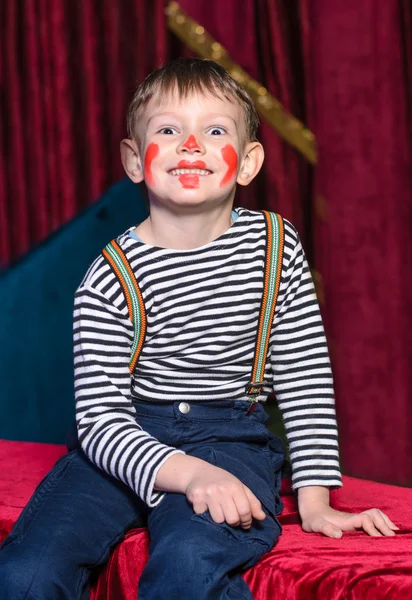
(36, 367)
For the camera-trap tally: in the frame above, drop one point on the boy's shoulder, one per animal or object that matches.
(99, 271)
(256, 216)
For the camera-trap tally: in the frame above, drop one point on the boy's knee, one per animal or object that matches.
(197, 543)
(199, 557)
(13, 577)
(25, 577)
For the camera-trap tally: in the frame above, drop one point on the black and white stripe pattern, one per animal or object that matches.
(202, 314)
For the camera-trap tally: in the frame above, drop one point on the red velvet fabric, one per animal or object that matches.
(22, 466)
(357, 75)
(305, 566)
(301, 566)
(67, 72)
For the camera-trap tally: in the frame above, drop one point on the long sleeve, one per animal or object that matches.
(108, 432)
(302, 374)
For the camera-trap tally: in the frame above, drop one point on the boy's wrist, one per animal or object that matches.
(312, 499)
(177, 472)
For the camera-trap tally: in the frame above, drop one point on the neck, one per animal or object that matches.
(184, 231)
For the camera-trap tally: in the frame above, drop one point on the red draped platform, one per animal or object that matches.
(301, 567)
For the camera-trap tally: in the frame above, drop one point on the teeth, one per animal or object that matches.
(191, 171)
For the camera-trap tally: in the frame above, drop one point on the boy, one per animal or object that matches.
(176, 441)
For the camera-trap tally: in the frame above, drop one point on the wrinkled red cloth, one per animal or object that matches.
(301, 566)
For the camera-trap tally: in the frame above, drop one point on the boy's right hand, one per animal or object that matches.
(210, 488)
(224, 496)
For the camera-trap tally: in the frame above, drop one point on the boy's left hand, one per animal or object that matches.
(333, 523)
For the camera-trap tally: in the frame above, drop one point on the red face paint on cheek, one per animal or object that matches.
(189, 181)
(151, 153)
(231, 159)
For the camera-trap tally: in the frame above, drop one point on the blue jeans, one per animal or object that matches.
(78, 514)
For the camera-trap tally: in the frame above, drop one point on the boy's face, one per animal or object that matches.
(193, 150)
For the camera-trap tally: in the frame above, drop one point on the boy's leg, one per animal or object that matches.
(74, 518)
(191, 556)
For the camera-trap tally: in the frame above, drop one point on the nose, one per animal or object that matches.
(191, 145)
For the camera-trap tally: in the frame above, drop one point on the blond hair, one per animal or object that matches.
(187, 76)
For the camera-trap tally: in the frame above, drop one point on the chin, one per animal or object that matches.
(189, 198)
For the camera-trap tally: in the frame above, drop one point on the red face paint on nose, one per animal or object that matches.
(151, 153)
(231, 159)
(191, 143)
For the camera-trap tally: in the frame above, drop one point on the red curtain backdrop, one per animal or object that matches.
(359, 91)
(67, 71)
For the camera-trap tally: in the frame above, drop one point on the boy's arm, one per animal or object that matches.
(302, 374)
(107, 428)
(304, 389)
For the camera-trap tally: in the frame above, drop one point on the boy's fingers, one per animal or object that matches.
(199, 507)
(246, 521)
(387, 520)
(231, 513)
(369, 526)
(216, 513)
(379, 522)
(381, 525)
(245, 512)
(255, 505)
(328, 529)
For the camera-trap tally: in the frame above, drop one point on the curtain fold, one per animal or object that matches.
(363, 240)
(67, 71)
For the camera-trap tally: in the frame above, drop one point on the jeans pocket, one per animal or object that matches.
(36, 502)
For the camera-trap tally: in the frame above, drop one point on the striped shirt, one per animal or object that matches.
(202, 309)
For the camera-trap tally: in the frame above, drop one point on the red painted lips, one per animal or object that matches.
(185, 164)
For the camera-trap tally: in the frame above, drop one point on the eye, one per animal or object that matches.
(168, 131)
(217, 131)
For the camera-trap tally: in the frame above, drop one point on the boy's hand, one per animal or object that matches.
(318, 517)
(225, 496)
(333, 523)
(210, 488)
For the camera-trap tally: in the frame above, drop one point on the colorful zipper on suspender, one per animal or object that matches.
(273, 268)
(137, 314)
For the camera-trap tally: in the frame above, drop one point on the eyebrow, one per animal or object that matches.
(165, 114)
(210, 115)
(217, 115)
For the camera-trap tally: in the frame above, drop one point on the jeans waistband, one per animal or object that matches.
(217, 410)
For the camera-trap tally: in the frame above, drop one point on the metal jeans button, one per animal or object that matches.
(184, 407)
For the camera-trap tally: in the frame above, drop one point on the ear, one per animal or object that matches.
(131, 160)
(251, 163)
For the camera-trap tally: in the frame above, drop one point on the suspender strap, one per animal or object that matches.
(273, 268)
(137, 314)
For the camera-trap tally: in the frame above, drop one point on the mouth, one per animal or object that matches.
(201, 172)
(185, 167)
